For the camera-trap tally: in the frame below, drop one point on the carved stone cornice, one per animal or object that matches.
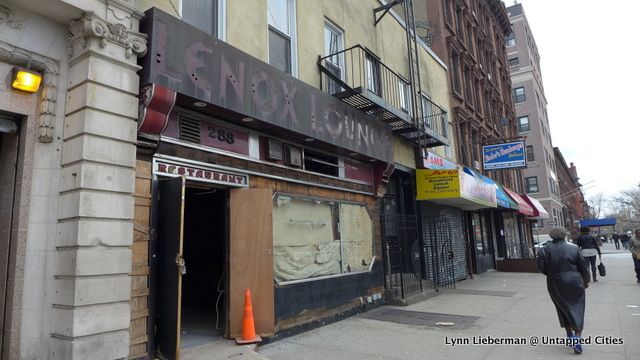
(48, 93)
(91, 27)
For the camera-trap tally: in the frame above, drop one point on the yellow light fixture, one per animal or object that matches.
(26, 80)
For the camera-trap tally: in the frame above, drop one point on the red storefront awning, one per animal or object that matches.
(523, 206)
(540, 212)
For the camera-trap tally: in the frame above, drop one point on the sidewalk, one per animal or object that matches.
(496, 304)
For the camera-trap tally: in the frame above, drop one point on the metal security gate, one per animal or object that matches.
(439, 251)
(401, 246)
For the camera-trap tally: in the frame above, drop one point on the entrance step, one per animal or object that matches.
(393, 297)
(221, 350)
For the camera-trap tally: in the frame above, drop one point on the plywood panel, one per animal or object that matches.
(140, 261)
(251, 259)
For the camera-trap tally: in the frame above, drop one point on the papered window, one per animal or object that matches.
(314, 238)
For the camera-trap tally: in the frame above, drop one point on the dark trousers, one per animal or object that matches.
(617, 244)
(636, 263)
(592, 260)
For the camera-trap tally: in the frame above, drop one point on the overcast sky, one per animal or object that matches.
(589, 54)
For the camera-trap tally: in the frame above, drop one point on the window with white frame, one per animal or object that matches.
(511, 39)
(334, 44)
(280, 17)
(519, 95)
(523, 124)
(316, 238)
(427, 111)
(532, 184)
(203, 14)
(373, 74)
(404, 95)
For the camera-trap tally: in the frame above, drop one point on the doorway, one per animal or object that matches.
(11, 166)
(204, 248)
(190, 261)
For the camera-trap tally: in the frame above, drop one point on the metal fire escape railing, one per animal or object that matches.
(357, 77)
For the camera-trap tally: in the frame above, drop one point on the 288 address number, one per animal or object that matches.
(221, 135)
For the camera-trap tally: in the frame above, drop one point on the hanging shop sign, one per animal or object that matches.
(196, 173)
(455, 188)
(504, 156)
(193, 63)
(436, 162)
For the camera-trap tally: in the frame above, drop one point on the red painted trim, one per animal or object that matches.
(156, 102)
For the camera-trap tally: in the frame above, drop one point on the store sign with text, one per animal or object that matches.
(436, 162)
(190, 172)
(504, 156)
(195, 64)
(453, 184)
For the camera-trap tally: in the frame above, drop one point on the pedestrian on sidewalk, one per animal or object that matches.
(634, 248)
(624, 239)
(589, 248)
(616, 240)
(567, 277)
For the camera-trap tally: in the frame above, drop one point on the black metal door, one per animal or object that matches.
(438, 249)
(170, 267)
(401, 246)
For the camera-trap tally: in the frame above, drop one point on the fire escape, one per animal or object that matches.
(359, 78)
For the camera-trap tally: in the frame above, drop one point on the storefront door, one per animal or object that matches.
(482, 242)
(170, 266)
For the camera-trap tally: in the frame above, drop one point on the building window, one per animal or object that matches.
(523, 124)
(404, 94)
(468, 86)
(373, 74)
(514, 61)
(314, 238)
(511, 39)
(530, 155)
(447, 11)
(519, 95)
(455, 74)
(202, 14)
(321, 163)
(334, 44)
(281, 33)
(532, 184)
(427, 111)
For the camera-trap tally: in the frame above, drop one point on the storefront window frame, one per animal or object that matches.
(337, 204)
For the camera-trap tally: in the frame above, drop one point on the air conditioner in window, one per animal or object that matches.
(476, 164)
(293, 156)
(274, 150)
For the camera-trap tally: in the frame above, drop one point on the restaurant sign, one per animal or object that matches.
(504, 156)
(190, 62)
(454, 187)
(196, 173)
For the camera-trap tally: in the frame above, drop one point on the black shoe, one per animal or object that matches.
(595, 280)
(638, 281)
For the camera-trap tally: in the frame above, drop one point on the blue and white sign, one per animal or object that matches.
(504, 156)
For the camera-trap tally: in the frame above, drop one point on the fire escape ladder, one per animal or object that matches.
(414, 70)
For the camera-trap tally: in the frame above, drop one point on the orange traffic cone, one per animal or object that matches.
(249, 335)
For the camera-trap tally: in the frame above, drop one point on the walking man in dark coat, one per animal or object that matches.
(567, 277)
(589, 248)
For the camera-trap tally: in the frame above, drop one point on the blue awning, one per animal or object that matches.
(504, 201)
(598, 222)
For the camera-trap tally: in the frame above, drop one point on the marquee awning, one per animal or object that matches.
(523, 206)
(540, 212)
(598, 222)
(503, 200)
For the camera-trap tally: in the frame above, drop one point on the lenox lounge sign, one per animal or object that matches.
(504, 156)
(192, 63)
